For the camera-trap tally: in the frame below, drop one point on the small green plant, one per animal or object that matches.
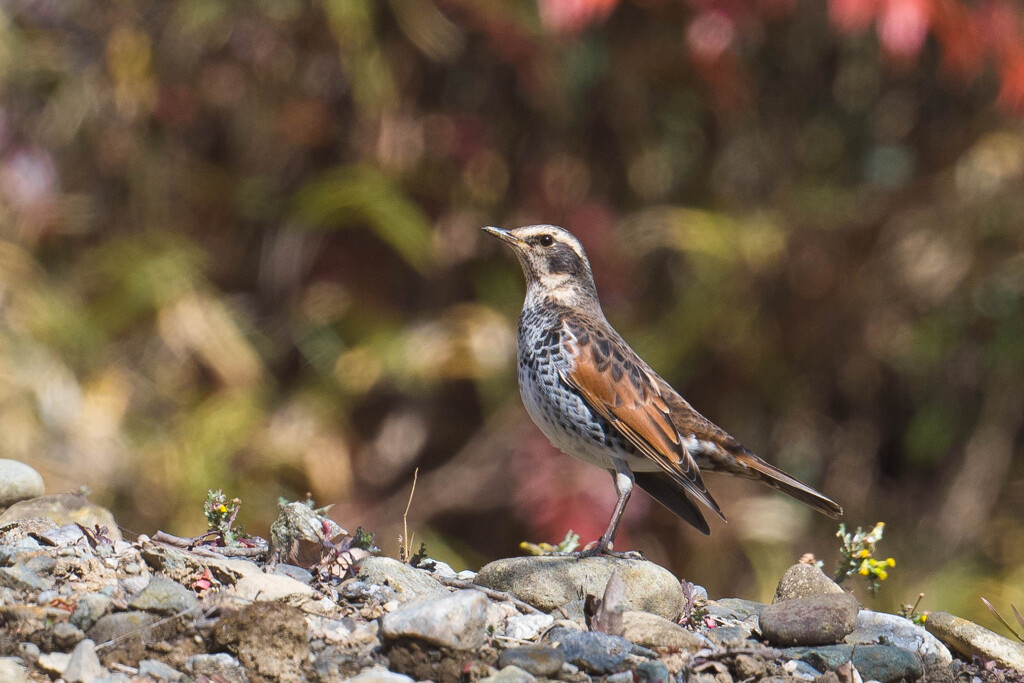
(364, 539)
(568, 544)
(220, 516)
(1004, 622)
(856, 556)
(909, 611)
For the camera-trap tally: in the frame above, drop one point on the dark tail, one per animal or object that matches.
(753, 467)
(661, 488)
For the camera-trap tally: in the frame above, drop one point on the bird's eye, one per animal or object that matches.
(545, 240)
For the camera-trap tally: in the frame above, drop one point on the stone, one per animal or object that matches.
(735, 608)
(823, 657)
(408, 583)
(970, 640)
(163, 596)
(159, 671)
(291, 571)
(83, 664)
(120, 624)
(527, 626)
(18, 482)
(64, 508)
(804, 581)
(220, 666)
(621, 677)
(88, 610)
(63, 536)
(21, 578)
(54, 662)
(456, 621)
(12, 670)
(550, 581)
(380, 675)
(816, 620)
(653, 672)
(592, 651)
(729, 636)
(511, 674)
(892, 629)
(66, 635)
(885, 663)
(271, 640)
(650, 630)
(539, 660)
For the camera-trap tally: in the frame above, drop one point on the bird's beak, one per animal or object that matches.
(504, 235)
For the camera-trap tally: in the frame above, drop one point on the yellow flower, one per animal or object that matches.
(864, 553)
(924, 617)
(891, 562)
(223, 508)
(864, 571)
(882, 574)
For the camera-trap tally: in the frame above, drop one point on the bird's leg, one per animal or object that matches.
(623, 478)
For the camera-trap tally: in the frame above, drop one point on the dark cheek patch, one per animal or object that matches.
(564, 260)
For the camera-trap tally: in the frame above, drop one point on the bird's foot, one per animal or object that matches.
(603, 548)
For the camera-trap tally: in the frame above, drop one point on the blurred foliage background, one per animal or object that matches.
(240, 249)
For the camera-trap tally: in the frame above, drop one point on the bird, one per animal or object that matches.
(595, 399)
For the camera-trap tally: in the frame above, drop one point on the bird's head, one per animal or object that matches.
(553, 260)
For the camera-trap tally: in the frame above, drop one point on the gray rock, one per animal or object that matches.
(121, 624)
(892, 629)
(527, 626)
(970, 639)
(64, 508)
(62, 536)
(54, 662)
(220, 666)
(550, 581)
(725, 636)
(159, 671)
(817, 620)
(18, 482)
(291, 571)
(89, 609)
(804, 581)
(67, 634)
(21, 578)
(511, 674)
(163, 596)
(539, 660)
(884, 663)
(805, 671)
(12, 670)
(380, 675)
(592, 651)
(28, 651)
(653, 672)
(823, 657)
(83, 665)
(650, 630)
(456, 621)
(621, 677)
(735, 608)
(408, 583)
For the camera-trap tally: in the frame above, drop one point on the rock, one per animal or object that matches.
(12, 670)
(511, 674)
(970, 639)
(380, 675)
(21, 578)
(221, 666)
(408, 583)
(18, 482)
(653, 672)
(885, 663)
(83, 665)
(66, 634)
(892, 629)
(28, 651)
(725, 636)
(159, 671)
(163, 596)
(89, 609)
(735, 608)
(292, 572)
(621, 677)
(748, 666)
(822, 658)
(541, 661)
(527, 626)
(456, 621)
(593, 651)
(120, 624)
(804, 581)
(269, 638)
(650, 630)
(550, 581)
(54, 662)
(64, 508)
(257, 585)
(63, 536)
(817, 620)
